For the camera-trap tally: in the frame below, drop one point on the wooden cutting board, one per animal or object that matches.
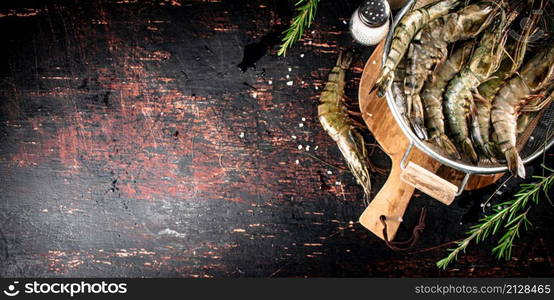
(393, 198)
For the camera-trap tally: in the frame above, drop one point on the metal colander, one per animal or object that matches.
(532, 143)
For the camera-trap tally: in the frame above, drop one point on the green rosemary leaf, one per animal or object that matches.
(509, 215)
(306, 10)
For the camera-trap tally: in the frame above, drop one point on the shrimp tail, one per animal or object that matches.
(417, 117)
(488, 150)
(515, 164)
(476, 134)
(448, 146)
(419, 128)
(345, 59)
(359, 165)
(467, 148)
(384, 84)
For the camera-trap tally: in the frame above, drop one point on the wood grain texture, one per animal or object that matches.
(429, 183)
(393, 198)
(133, 146)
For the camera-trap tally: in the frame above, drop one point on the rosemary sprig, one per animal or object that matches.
(510, 215)
(306, 10)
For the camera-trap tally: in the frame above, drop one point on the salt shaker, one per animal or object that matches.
(370, 22)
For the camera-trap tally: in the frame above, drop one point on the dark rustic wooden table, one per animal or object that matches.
(133, 145)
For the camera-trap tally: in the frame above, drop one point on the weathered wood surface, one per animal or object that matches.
(132, 145)
(428, 182)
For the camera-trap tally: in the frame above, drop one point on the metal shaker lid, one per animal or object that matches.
(374, 13)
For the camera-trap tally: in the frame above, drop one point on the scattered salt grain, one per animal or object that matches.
(344, 22)
(317, 147)
(241, 135)
(299, 147)
(255, 95)
(288, 76)
(289, 83)
(297, 162)
(337, 182)
(270, 82)
(293, 137)
(301, 125)
(290, 69)
(308, 148)
(329, 172)
(301, 55)
(316, 88)
(400, 219)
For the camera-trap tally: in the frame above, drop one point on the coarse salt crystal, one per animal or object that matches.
(241, 135)
(308, 148)
(270, 82)
(337, 182)
(293, 137)
(289, 83)
(301, 55)
(329, 172)
(297, 162)
(303, 119)
(301, 125)
(290, 69)
(299, 147)
(288, 76)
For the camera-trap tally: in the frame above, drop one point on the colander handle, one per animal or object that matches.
(428, 182)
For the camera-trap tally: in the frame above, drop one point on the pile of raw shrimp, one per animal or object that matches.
(470, 77)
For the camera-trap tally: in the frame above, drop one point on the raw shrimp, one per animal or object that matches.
(404, 32)
(535, 76)
(486, 91)
(428, 49)
(432, 97)
(458, 98)
(334, 117)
